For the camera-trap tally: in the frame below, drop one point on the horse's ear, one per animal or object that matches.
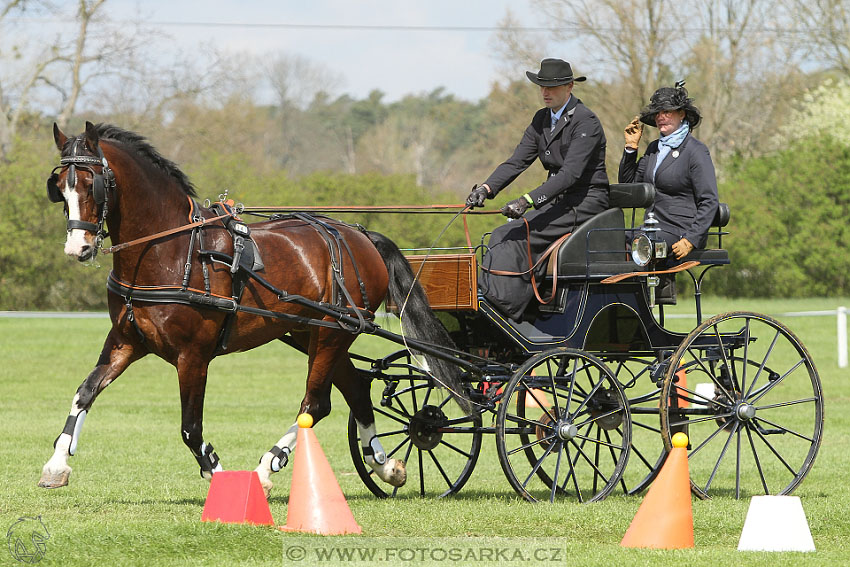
(59, 137)
(92, 138)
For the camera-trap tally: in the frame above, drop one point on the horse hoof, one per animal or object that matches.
(267, 487)
(397, 475)
(54, 479)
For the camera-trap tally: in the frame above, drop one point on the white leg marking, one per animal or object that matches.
(57, 471)
(271, 463)
(391, 471)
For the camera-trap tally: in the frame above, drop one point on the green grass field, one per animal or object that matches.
(135, 496)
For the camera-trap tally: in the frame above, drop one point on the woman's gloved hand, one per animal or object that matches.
(633, 132)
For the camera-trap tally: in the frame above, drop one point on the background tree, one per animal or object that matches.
(821, 30)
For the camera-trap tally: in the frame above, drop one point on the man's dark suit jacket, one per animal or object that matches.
(573, 154)
(686, 188)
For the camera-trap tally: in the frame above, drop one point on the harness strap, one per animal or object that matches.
(328, 232)
(170, 231)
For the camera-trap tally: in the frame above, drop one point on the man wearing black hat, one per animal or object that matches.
(570, 143)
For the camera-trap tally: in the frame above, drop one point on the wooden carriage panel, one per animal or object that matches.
(450, 281)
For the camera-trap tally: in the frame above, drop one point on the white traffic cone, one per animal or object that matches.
(776, 523)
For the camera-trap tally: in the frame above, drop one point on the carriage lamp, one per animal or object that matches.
(642, 250)
(660, 249)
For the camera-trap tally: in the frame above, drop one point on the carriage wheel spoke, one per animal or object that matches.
(773, 450)
(674, 424)
(390, 433)
(644, 426)
(393, 415)
(785, 404)
(554, 488)
(706, 441)
(709, 373)
(785, 429)
(738, 464)
(596, 457)
(401, 444)
(557, 407)
(455, 449)
(421, 472)
(725, 358)
(776, 382)
(580, 451)
(440, 468)
(720, 457)
(572, 474)
(598, 417)
(757, 460)
(745, 360)
(537, 464)
(532, 444)
(540, 404)
(763, 363)
(589, 396)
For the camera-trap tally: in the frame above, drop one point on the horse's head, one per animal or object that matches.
(83, 182)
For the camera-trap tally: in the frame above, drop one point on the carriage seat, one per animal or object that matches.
(714, 256)
(597, 248)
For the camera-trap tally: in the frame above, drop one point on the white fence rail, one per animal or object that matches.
(839, 313)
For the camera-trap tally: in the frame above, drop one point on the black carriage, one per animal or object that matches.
(584, 396)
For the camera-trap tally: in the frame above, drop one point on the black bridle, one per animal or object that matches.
(103, 183)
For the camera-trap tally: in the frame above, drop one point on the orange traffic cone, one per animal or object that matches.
(236, 497)
(682, 385)
(534, 397)
(316, 502)
(665, 518)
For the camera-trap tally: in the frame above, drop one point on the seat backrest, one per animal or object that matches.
(610, 244)
(631, 195)
(721, 218)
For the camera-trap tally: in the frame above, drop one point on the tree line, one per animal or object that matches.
(770, 109)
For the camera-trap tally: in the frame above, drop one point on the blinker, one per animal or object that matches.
(53, 192)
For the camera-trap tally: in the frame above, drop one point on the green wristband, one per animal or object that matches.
(529, 199)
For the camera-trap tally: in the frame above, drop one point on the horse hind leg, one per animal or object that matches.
(355, 390)
(115, 357)
(390, 470)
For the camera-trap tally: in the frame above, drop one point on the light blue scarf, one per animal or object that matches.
(668, 143)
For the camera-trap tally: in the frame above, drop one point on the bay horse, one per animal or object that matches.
(169, 297)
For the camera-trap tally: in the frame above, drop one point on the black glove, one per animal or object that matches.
(477, 196)
(516, 208)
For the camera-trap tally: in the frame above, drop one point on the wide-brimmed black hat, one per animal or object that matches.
(553, 73)
(671, 98)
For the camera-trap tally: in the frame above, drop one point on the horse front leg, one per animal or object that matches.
(324, 347)
(115, 357)
(192, 374)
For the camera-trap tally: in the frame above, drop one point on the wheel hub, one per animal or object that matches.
(424, 427)
(745, 411)
(567, 431)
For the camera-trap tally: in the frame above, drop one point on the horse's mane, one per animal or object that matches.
(140, 145)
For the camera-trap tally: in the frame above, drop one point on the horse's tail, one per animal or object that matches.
(418, 320)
